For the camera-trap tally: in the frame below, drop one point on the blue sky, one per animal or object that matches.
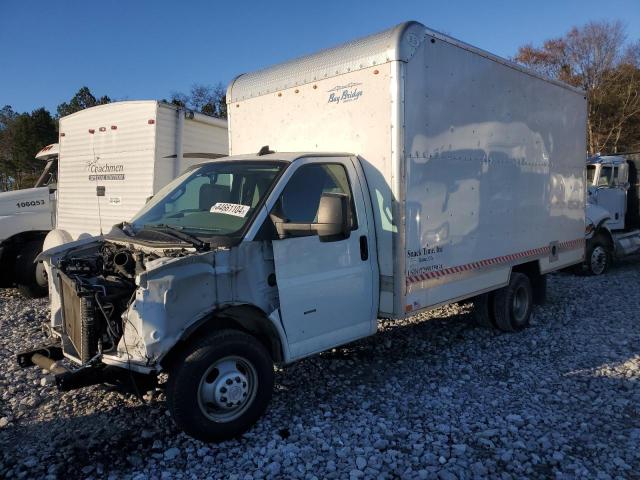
(147, 49)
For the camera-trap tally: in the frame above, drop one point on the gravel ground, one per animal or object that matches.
(430, 397)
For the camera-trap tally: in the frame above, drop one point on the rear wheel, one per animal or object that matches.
(598, 255)
(482, 311)
(512, 304)
(31, 277)
(220, 385)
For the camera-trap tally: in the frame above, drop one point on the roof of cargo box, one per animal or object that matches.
(395, 44)
(123, 104)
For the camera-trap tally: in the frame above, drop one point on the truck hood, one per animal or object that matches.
(9, 201)
(595, 214)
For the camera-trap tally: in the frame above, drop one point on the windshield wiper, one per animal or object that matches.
(177, 233)
(126, 228)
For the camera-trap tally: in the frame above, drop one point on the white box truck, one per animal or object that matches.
(410, 170)
(26, 216)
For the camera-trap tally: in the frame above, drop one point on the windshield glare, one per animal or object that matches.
(214, 199)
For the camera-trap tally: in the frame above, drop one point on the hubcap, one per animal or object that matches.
(227, 389)
(41, 274)
(598, 260)
(520, 304)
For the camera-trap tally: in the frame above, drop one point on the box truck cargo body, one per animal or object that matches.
(113, 157)
(380, 178)
(473, 163)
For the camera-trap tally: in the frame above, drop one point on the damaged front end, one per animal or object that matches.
(93, 284)
(119, 307)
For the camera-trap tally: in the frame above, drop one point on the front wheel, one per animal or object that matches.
(220, 385)
(598, 256)
(31, 277)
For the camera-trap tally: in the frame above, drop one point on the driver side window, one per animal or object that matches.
(300, 199)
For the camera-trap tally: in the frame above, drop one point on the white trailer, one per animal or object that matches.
(26, 216)
(113, 157)
(461, 177)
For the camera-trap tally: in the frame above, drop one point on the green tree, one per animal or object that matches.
(81, 100)
(21, 137)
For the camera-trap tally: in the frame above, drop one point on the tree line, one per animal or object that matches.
(596, 57)
(22, 135)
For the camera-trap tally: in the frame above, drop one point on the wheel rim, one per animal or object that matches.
(227, 389)
(41, 275)
(598, 260)
(520, 304)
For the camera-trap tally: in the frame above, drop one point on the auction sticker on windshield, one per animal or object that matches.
(234, 209)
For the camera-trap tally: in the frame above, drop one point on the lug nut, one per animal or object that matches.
(229, 404)
(223, 390)
(238, 379)
(229, 381)
(223, 399)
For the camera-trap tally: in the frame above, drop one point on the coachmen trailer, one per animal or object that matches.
(403, 171)
(113, 157)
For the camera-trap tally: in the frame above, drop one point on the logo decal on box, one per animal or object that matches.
(106, 171)
(344, 93)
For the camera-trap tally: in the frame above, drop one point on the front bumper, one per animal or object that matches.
(48, 358)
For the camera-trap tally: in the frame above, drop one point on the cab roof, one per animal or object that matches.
(606, 160)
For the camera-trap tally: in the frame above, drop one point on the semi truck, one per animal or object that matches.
(26, 216)
(377, 179)
(613, 210)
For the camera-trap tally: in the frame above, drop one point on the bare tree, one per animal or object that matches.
(593, 57)
(206, 99)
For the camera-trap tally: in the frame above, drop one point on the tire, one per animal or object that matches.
(598, 256)
(539, 286)
(512, 304)
(31, 277)
(202, 375)
(482, 311)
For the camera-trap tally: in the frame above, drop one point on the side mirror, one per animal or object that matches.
(332, 221)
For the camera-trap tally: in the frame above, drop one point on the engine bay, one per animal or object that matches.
(97, 288)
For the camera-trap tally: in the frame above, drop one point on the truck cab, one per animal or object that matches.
(26, 216)
(613, 219)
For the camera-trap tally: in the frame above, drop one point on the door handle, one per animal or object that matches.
(364, 248)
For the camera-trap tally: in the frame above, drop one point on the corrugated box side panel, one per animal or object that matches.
(199, 137)
(116, 157)
(494, 162)
(166, 168)
(348, 113)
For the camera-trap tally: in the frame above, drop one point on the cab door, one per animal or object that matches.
(326, 287)
(612, 195)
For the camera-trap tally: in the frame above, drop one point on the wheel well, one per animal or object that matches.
(606, 235)
(538, 281)
(10, 249)
(245, 318)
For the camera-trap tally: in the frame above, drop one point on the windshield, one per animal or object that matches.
(604, 179)
(218, 198)
(591, 173)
